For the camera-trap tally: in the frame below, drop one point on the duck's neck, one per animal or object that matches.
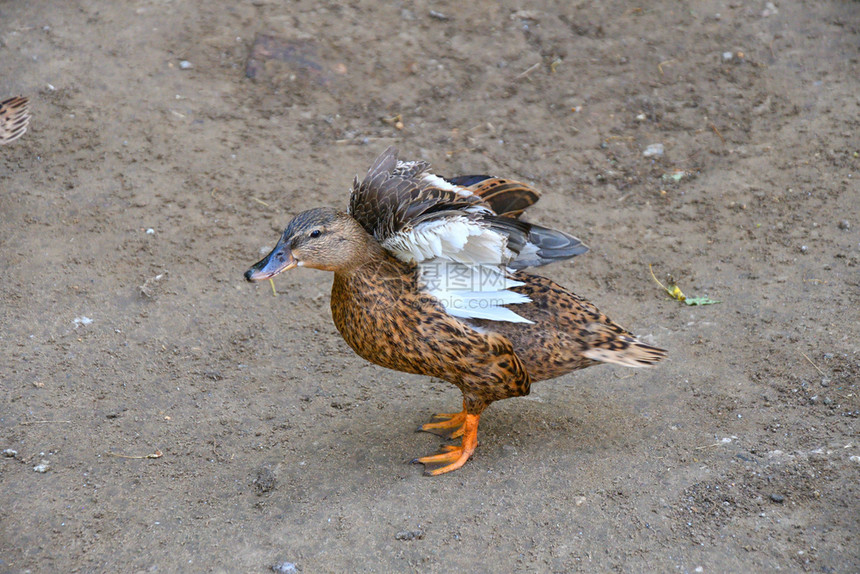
(372, 255)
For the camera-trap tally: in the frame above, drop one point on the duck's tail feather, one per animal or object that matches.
(608, 346)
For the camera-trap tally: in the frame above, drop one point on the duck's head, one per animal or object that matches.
(321, 238)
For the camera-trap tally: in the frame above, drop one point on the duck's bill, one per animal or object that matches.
(279, 260)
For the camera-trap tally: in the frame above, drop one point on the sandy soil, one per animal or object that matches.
(145, 188)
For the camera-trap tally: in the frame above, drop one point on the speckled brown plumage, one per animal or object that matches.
(383, 316)
(387, 314)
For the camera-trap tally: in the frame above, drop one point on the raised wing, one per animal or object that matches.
(454, 228)
(471, 219)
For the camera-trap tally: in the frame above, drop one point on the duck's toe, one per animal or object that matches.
(447, 425)
(452, 457)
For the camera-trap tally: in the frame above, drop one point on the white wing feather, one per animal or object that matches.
(456, 238)
(472, 291)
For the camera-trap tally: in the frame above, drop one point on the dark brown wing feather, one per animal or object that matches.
(393, 196)
(506, 197)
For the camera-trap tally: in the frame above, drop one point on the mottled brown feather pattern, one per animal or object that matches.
(564, 327)
(383, 316)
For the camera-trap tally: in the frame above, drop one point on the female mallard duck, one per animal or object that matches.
(428, 280)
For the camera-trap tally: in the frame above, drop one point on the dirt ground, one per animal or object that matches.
(146, 186)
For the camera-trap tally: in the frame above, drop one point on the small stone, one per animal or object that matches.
(844, 225)
(769, 10)
(185, 65)
(854, 458)
(265, 481)
(825, 382)
(828, 401)
(409, 535)
(11, 453)
(285, 568)
(653, 150)
(727, 56)
(777, 498)
(804, 248)
(43, 467)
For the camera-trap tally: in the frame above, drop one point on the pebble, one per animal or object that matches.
(777, 498)
(265, 480)
(285, 568)
(43, 466)
(10, 452)
(844, 225)
(409, 535)
(653, 150)
(825, 382)
(804, 248)
(185, 65)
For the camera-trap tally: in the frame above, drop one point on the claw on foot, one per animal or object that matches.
(454, 455)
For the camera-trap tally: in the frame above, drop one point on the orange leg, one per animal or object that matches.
(455, 455)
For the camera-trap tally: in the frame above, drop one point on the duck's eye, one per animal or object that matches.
(315, 233)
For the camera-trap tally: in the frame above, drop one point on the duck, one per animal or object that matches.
(430, 278)
(14, 118)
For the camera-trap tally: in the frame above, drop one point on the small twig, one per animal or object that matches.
(42, 422)
(156, 454)
(820, 372)
(716, 131)
(528, 71)
(274, 291)
(708, 446)
(260, 201)
(660, 65)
